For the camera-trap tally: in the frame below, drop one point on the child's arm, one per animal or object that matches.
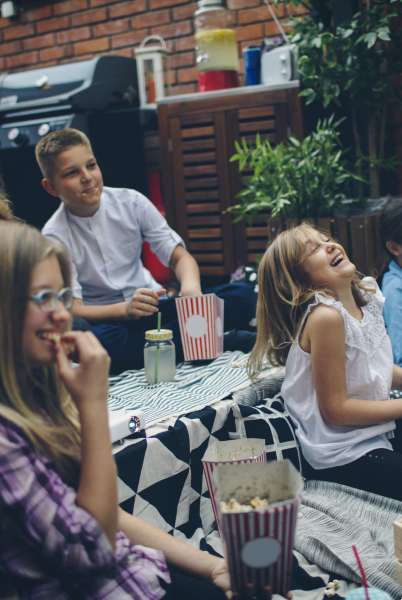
(144, 303)
(177, 552)
(187, 272)
(324, 337)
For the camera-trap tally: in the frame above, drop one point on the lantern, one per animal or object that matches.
(151, 66)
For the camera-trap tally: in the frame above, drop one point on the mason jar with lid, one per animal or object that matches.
(159, 355)
(216, 49)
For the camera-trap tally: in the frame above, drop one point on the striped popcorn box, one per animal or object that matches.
(244, 450)
(258, 506)
(201, 326)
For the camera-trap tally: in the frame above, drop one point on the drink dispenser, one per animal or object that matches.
(216, 49)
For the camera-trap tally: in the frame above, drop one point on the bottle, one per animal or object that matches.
(159, 355)
(217, 58)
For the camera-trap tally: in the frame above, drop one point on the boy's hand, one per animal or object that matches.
(144, 303)
(191, 290)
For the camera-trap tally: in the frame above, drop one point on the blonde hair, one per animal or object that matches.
(55, 142)
(33, 398)
(284, 293)
(6, 214)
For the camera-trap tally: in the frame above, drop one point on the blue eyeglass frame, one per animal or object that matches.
(40, 301)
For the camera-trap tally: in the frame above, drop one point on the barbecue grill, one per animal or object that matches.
(98, 96)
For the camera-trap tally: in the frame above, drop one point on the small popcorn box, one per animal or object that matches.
(259, 541)
(245, 450)
(201, 326)
(398, 538)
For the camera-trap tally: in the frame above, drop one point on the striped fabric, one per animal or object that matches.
(194, 388)
(333, 517)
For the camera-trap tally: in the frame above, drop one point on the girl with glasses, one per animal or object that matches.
(63, 534)
(319, 318)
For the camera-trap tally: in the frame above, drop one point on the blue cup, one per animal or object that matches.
(252, 65)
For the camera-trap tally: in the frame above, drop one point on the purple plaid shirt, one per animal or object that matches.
(51, 548)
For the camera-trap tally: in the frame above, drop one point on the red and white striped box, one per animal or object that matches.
(269, 530)
(244, 450)
(201, 326)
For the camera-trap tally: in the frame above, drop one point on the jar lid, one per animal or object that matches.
(155, 335)
(207, 5)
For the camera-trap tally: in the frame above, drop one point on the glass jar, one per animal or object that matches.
(217, 58)
(159, 355)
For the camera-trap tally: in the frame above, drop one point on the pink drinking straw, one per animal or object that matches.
(362, 573)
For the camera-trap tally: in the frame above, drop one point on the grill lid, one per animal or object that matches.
(94, 84)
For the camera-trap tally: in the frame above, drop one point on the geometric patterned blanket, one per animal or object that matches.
(161, 479)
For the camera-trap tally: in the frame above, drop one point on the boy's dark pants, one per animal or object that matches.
(124, 340)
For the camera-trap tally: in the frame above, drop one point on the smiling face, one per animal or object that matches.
(326, 263)
(77, 180)
(39, 325)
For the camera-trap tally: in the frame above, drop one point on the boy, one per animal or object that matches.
(103, 229)
(391, 233)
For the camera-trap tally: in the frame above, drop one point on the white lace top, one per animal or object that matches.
(368, 376)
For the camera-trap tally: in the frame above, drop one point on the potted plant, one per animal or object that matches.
(350, 66)
(347, 65)
(298, 179)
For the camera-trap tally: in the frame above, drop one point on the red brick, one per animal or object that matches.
(296, 10)
(240, 4)
(91, 46)
(73, 35)
(184, 43)
(186, 75)
(173, 30)
(10, 48)
(55, 53)
(154, 4)
(69, 6)
(132, 38)
(271, 28)
(185, 88)
(129, 52)
(253, 15)
(2, 64)
(4, 23)
(53, 24)
(128, 39)
(250, 32)
(110, 27)
(149, 19)
(183, 59)
(21, 60)
(40, 41)
(95, 3)
(91, 16)
(127, 8)
(18, 31)
(35, 14)
(184, 12)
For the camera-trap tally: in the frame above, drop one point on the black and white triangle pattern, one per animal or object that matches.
(161, 480)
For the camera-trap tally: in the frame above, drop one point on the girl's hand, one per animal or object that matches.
(87, 381)
(220, 576)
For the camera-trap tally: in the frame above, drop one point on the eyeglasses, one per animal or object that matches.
(49, 300)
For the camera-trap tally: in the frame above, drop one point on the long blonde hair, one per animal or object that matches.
(284, 293)
(32, 398)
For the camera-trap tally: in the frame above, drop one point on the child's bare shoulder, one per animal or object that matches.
(322, 316)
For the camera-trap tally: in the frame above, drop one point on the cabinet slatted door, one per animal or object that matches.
(199, 183)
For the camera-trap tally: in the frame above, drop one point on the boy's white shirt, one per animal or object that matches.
(106, 248)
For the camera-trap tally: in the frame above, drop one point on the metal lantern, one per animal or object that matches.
(151, 67)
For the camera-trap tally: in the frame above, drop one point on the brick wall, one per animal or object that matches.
(48, 33)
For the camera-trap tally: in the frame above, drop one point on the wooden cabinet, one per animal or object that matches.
(197, 136)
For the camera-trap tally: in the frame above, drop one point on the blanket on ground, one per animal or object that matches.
(333, 517)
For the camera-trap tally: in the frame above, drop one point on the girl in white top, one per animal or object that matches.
(319, 318)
